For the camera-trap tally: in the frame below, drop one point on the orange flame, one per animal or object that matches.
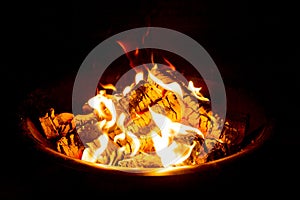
(108, 86)
(136, 53)
(170, 64)
(123, 46)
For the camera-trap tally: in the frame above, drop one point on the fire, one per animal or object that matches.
(196, 91)
(170, 64)
(173, 130)
(109, 86)
(169, 151)
(160, 120)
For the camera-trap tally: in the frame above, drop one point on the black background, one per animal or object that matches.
(254, 44)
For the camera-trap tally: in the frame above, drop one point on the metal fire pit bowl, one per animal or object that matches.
(59, 96)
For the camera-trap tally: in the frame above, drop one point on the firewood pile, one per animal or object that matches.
(159, 122)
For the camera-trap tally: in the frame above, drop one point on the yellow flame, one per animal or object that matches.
(139, 77)
(175, 154)
(126, 90)
(96, 102)
(108, 86)
(196, 91)
(160, 142)
(170, 154)
(167, 126)
(169, 151)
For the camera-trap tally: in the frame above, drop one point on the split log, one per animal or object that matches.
(61, 130)
(70, 145)
(57, 125)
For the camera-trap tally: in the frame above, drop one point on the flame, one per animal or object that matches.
(196, 91)
(167, 135)
(139, 77)
(170, 64)
(171, 152)
(105, 109)
(136, 53)
(174, 154)
(126, 90)
(123, 46)
(152, 59)
(169, 127)
(95, 149)
(108, 86)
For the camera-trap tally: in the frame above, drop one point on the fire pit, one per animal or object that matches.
(153, 119)
(247, 128)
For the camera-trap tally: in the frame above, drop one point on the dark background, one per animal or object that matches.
(254, 44)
